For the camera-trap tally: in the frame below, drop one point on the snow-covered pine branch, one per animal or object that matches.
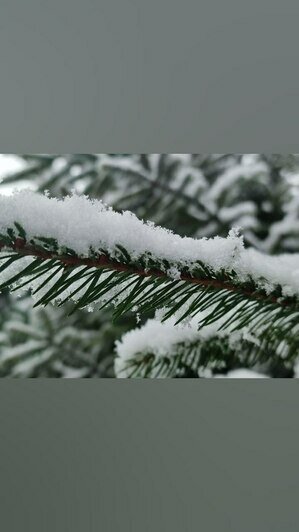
(166, 350)
(194, 194)
(80, 249)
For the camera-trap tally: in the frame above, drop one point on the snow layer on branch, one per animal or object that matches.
(270, 271)
(166, 340)
(156, 338)
(162, 339)
(80, 224)
(230, 176)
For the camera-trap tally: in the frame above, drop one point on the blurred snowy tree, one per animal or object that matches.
(195, 195)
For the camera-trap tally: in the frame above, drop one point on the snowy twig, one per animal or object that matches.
(80, 249)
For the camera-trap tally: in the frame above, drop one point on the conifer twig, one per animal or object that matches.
(104, 261)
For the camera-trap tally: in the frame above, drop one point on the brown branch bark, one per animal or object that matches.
(104, 261)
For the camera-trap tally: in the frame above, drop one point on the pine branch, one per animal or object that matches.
(165, 185)
(106, 262)
(31, 171)
(178, 190)
(140, 173)
(163, 350)
(43, 342)
(97, 257)
(254, 203)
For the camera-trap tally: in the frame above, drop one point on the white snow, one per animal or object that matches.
(18, 351)
(245, 208)
(243, 373)
(82, 224)
(156, 338)
(24, 367)
(270, 271)
(233, 174)
(9, 164)
(161, 339)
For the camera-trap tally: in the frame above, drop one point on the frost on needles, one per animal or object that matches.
(89, 228)
(167, 350)
(80, 249)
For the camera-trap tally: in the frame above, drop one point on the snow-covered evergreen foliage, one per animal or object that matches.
(225, 303)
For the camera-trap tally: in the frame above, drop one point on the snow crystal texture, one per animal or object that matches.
(79, 223)
(82, 224)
